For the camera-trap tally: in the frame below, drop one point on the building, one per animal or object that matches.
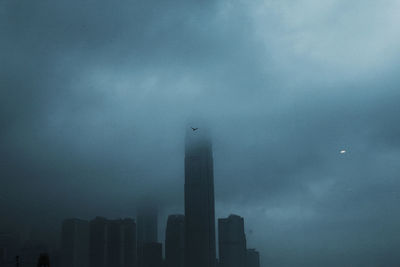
(112, 243)
(75, 243)
(200, 248)
(175, 241)
(30, 252)
(152, 254)
(9, 244)
(129, 248)
(147, 223)
(147, 227)
(252, 258)
(232, 242)
(98, 242)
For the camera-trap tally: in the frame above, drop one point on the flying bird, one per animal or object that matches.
(343, 151)
(194, 129)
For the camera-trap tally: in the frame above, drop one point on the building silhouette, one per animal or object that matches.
(175, 241)
(232, 242)
(147, 227)
(121, 243)
(30, 252)
(152, 254)
(112, 243)
(43, 260)
(75, 243)
(98, 242)
(200, 248)
(129, 240)
(252, 258)
(9, 246)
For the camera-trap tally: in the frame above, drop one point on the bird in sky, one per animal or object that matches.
(343, 151)
(194, 129)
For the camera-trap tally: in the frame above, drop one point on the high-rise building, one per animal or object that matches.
(98, 242)
(112, 243)
(200, 248)
(252, 258)
(121, 243)
(152, 254)
(9, 244)
(147, 227)
(232, 242)
(130, 249)
(75, 243)
(30, 252)
(175, 241)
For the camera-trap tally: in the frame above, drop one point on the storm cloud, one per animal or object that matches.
(96, 96)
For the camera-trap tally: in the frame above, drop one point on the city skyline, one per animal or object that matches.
(301, 97)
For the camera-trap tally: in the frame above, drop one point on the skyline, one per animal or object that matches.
(95, 97)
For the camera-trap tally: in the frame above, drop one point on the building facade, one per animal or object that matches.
(200, 248)
(75, 243)
(232, 242)
(175, 241)
(112, 243)
(147, 227)
(252, 258)
(152, 254)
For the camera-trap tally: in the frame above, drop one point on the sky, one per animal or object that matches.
(96, 97)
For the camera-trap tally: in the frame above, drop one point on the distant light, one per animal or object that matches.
(343, 151)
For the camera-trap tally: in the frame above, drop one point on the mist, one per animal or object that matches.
(96, 97)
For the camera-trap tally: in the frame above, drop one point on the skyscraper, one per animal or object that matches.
(252, 258)
(175, 241)
(121, 243)
(152, 254)
(147, 227)
(98, 242)
(112, 243)
(232, 242)
(199, 201)
(129, 240)
(75, 243)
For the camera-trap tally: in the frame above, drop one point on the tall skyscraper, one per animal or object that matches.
(75, 243)
(147, 226)
(252, 258)
(199, 201)
(232, 242)
(175, 241)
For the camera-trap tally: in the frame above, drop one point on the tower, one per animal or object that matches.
(232, 242)
(75, 243)
(175, 241)
(112, 243)
(199, 201)
(147, 227)
(98, 242)
(252, 258)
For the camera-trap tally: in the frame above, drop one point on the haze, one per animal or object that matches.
(96, 97)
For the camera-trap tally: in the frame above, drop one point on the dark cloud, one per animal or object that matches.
(95, 97)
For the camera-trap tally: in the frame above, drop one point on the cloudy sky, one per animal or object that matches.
(96, 96)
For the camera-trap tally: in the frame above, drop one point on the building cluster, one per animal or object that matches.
(190, 239)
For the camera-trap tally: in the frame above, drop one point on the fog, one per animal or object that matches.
(96, 97)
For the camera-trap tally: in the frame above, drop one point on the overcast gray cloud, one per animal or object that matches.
(95, 97)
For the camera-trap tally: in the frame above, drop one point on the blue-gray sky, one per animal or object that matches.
(95, 97)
